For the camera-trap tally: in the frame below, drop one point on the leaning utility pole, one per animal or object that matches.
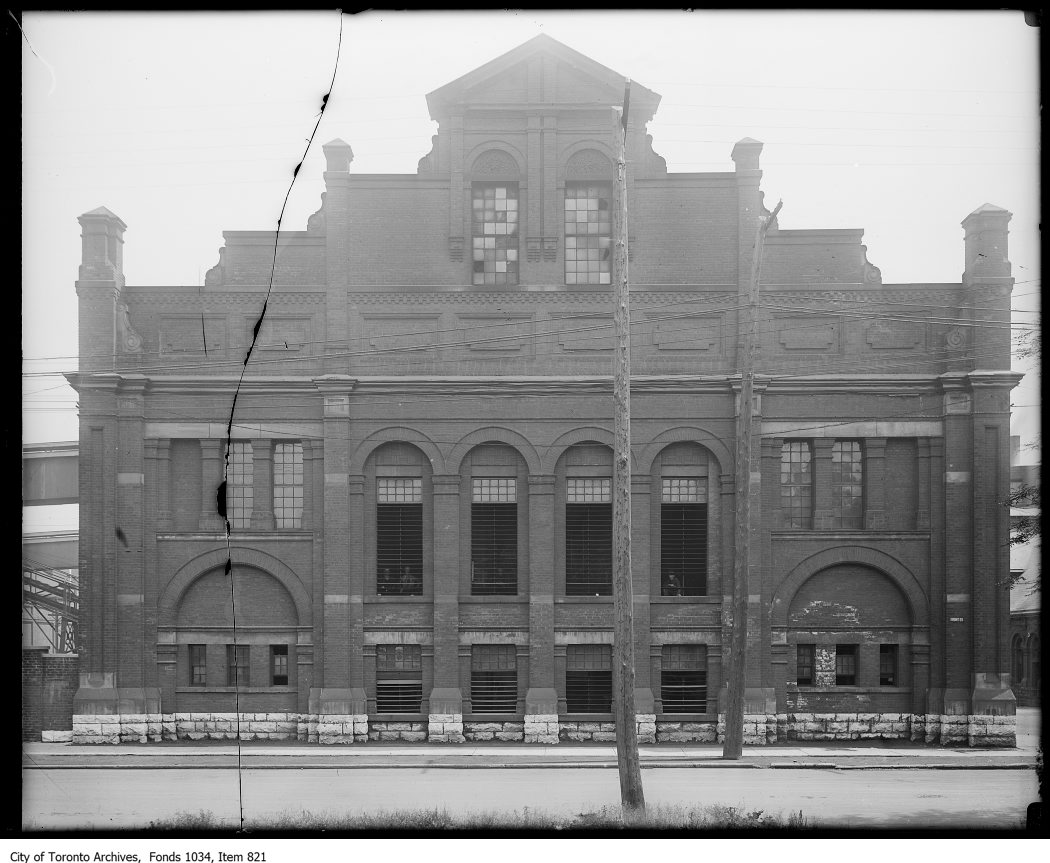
(734, 735)
(631, 797)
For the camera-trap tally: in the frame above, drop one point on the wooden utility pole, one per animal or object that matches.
(631, 797)
(734, 735)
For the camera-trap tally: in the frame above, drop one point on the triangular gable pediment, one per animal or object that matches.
(541, 70)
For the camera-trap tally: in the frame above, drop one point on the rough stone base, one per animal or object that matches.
(541, 728)
(407, 732)
(645, 727)
(686, 732)
(56, 736)
(445, 728)
(333, 728)
(997, 731)
(598, 732)
(759, 729)
(498, 731)
(932, 729)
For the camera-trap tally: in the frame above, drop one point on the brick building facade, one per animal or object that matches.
(418, 482)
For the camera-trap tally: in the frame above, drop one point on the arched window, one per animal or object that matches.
(1017, 652)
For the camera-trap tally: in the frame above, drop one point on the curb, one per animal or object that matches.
(295, 764)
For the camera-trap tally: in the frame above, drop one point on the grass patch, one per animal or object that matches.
(707, 819)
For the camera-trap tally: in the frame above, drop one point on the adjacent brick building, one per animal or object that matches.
(418, 480)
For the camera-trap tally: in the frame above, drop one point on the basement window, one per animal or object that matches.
(278, 664)
(888, 664)
(805, 663)
(683, 678)
(399, 537)
(588, 537)
(588, 678)
(399, 678)
(198, 665)
(845, 665)
(683, 536)
(493, 678)
(493, 537)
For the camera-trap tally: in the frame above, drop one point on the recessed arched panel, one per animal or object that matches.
(494, 435)
(879, 561)
(243, 559)
(253, 598)
(396, 434)
(588, 164)
(848, 596)
(720, 458)
(494, 164)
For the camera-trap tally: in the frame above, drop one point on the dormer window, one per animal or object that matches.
(588, 233)
(494, 229)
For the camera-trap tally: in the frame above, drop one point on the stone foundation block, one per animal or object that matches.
(510, 735)
(604, 736)
(56, 736)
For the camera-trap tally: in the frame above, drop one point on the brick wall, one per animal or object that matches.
(48, 685)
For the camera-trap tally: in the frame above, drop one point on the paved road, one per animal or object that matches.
(131, 798)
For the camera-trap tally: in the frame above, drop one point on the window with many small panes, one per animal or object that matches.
(239, 484)
(588, 234)
(494, 231)
(847, 484)
(288, 485)
(796, 485)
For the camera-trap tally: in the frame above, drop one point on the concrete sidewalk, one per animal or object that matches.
(263, 755)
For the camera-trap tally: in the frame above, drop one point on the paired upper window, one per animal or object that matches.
(287, 484)
(846, 481)
(240, 495)
(796, 484)
(847, 484)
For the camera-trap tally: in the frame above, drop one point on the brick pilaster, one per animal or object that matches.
(823, 500)
(446, 596)
(211, 477)
(875, 483)
(541, 698)
(262, 482)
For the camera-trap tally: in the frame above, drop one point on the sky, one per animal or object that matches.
(189, 124)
